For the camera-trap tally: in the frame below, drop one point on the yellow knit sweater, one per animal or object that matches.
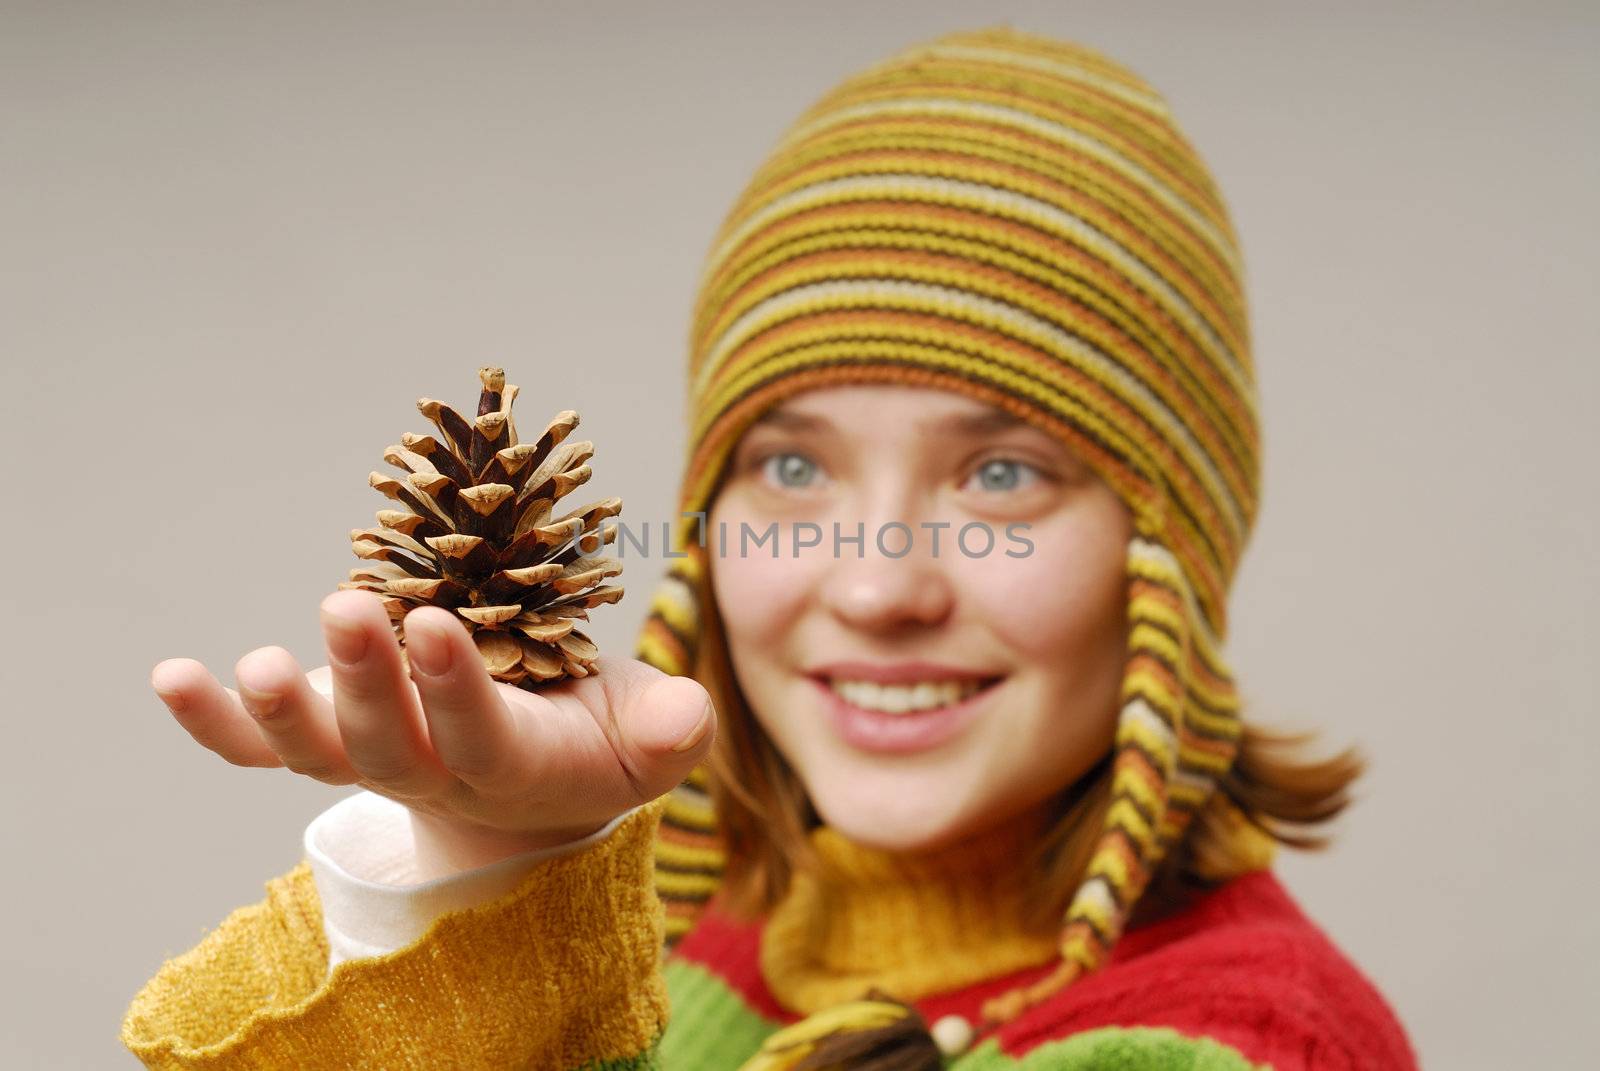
(565, 971)
(562, 972)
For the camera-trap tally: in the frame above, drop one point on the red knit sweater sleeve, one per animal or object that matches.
(1245, 967)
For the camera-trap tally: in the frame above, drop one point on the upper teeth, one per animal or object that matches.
(900, 698)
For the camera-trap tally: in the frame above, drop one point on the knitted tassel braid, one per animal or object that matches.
(875, 1031)
(1017, 219)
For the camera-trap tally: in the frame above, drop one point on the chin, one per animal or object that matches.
(896, 810)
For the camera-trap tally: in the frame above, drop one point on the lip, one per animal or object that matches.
(897, 672)
(900, 734)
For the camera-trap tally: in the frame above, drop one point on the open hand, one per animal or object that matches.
(487, 769)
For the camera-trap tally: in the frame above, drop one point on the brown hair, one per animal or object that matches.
(765, 814)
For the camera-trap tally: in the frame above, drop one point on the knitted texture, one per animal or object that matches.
(566, 973)
(1017, 219)
(561, 973)
(1236, 978)
(907, 924)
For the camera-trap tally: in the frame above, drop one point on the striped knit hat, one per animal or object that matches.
(1017, 219)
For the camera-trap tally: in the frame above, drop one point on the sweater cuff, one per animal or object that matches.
(363, 863)
(563, 972)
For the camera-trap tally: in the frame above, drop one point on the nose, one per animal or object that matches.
(880, 593)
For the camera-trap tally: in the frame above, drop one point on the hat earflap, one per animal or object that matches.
(689, 857)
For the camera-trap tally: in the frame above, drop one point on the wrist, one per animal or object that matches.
(445, 846)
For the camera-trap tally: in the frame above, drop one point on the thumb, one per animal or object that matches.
(668, 727)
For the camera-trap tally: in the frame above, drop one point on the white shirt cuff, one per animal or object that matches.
(363, 858)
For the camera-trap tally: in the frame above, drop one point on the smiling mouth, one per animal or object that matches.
(909, 698)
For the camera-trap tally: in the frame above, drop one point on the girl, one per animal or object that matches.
(931, 754)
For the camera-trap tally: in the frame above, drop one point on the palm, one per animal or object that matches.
(460, 747)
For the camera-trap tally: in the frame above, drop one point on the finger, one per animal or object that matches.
(665, 726)
(375, 705)
(210, 713)
(296, 722)
(472, 730)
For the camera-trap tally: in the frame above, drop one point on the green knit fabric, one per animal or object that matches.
(712, 1029)
(1114, 1048)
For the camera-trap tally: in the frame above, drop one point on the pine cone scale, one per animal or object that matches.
(457, 432)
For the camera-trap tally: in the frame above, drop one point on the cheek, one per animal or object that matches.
(1062, 607)
(1060, 615)
(758, 597)
(759, 594)
(762, 599)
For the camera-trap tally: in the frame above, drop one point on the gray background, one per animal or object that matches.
(239, 240)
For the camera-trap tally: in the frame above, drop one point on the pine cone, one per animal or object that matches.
(477, 536)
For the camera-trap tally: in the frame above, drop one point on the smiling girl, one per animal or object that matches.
(894, 798)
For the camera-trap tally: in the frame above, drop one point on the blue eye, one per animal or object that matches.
(789, 470)
(1003, 474)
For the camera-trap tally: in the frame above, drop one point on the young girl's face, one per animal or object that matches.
(860, 660)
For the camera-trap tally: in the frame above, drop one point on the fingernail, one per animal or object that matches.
(429, 649)
(173, 700)
(260, 704)
(697, 733)
(347, 640)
